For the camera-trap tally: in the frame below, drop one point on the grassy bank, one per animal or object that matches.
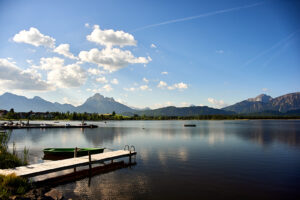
(11, 184)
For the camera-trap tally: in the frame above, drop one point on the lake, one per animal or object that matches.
(246, 159)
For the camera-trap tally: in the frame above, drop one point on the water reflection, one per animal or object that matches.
(182, 154)
(117, 134)
(175, 161)
(266, 133)
(109, 186)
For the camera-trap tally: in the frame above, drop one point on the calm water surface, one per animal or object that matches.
(215, 160)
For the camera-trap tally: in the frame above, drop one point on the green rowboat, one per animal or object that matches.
(69, 152)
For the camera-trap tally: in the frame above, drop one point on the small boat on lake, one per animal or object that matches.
(69, 152)
(189, 125)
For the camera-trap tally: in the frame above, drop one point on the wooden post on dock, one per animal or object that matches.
(130, 156)
(75, 155)
(90, 159)
(90, 168)
(75, 152)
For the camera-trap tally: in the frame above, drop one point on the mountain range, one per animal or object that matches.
(94, 104)
(184, 111)
(263, 103)
(289, 103)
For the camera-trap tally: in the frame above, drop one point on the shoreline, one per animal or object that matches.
(154, 119)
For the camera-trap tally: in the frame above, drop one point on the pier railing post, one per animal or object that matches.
(75, 152)
(90, 161)
(130, 156)
(131, 150)
(75, 155)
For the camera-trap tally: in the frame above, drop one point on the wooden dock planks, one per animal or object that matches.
(48, 126)
(53, 166)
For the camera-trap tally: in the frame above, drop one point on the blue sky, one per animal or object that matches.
(150, 53)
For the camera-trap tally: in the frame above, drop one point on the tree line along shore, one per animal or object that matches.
(11, 115)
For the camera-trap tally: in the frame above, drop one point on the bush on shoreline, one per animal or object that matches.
(11, 184)
(7, 159)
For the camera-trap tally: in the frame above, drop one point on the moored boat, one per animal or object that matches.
(189, 125)
(69, 152)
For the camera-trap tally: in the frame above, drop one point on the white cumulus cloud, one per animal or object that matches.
(145, 80)
(64, 49)
(153, 46)
(164, 73)
(63, 76)
(114, 81)
(35, 38)
(185, 104)
(50, 63)
(111, 59)
(217, 103)
(144, 87)
(14, 78)
(179, 86)
(101, 80)
(29, 61)
(94, 71)
(138, 88)
(111, 37)
(67, 76)
(107, 88)
(131, 89)
(162, 84)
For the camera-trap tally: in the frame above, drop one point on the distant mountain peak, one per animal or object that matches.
(99, 103)
(98, 96)
(261, 98)
(37, 98)
(263, 103)
(9, 94)
(94, 104)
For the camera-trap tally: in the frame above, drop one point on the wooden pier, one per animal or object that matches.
(46, 126)
(54, 166)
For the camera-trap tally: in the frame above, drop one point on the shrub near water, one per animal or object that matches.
(8, 160)
(12, 185)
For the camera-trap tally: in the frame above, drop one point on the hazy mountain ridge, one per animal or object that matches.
(23, 104)
(264, 102)
(184, 111)
(96, 103)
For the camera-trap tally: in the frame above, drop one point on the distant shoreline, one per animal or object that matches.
(58, 116)
(154, 119)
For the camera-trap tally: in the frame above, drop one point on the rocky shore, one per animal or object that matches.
(44, 193)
